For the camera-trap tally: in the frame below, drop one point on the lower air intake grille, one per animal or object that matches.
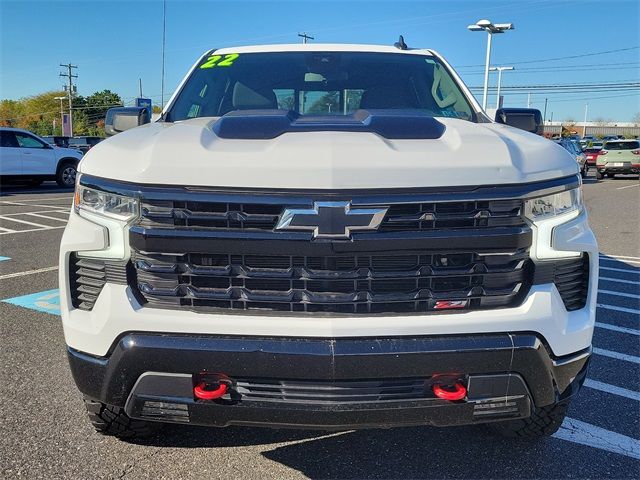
(571, 278)
(333, 392)
(87, 277)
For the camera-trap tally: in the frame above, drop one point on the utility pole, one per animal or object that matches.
(140, 86)
(529, 100)
(305, 37)
(544, 115)
(70, 90)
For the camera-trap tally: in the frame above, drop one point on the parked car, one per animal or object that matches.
(609, 138)
(57, 140)
(591, 154)
(84, 144)
(339, 268)
(597, 144)
(574, 149)
(589, 138)
(618, 157)
(25, 156)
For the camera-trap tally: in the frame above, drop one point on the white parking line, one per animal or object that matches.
(8, 230)
(625, 260)
(38, 204)
(628, 186)
(584, 433)
(619, 294)
(619, 280)
(60, 210)
(45, 216)
(605, 387)
(625, 270)
(34, 200)
(28, 272)
(32, 230)
(23, 221)
(606, 306)
(616, 355)
(615, 328)
(619, 256)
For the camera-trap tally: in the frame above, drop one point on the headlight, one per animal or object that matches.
(553, 205)
(105, 204)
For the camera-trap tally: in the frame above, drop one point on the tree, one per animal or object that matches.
(98, 103)
(327, 103)
(36, 113)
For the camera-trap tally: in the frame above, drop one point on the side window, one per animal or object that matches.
(8, 139)
(446, 94)
(286, 98)
(27, 141)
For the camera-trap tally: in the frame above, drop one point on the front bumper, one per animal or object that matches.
(152, 377)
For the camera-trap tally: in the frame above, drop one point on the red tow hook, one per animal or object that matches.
(200, 391)
(457, 391)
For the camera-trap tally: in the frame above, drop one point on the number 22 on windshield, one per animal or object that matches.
(220, 60)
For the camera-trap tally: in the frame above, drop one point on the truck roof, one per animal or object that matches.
(321, 47)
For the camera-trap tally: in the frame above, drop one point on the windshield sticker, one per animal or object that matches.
(220, 60)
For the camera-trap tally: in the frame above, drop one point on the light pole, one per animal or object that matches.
(586, 109)
(490, 28)
(61, 114)
(499, 70)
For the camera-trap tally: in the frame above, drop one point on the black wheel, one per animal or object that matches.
(112, 421)
(583, 172)
(599, 175)
(611, 175)
(66, 174)
(543, 422)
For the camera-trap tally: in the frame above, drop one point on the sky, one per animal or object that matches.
(115, 43)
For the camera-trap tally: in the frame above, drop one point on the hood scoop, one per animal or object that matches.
(269, 124)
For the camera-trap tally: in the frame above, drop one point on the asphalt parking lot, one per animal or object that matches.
(44, 432)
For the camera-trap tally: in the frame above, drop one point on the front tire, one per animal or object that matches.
(599, 175)
(113, 421)
(66, 174)
(543, 422)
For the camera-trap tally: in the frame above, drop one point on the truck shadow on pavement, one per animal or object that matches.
(400, 453)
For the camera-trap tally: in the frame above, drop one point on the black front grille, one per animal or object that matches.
(87, 277)
(401, 217)
(348, 284)
(346, 391)
(571, 278)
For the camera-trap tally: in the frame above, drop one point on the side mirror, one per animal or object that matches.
(120, 119)
(529, 119)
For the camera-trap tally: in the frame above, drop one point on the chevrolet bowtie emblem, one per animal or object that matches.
(331, 219)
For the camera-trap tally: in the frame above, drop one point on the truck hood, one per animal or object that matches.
(189, 153)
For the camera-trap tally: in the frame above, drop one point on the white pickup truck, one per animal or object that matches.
(327, 236)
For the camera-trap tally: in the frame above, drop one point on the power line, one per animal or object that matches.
(542, 60)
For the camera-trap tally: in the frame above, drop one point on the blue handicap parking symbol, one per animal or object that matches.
(4, 258)
(47, 301)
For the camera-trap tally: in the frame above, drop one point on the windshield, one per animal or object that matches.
(622, 145)
(319, 83)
